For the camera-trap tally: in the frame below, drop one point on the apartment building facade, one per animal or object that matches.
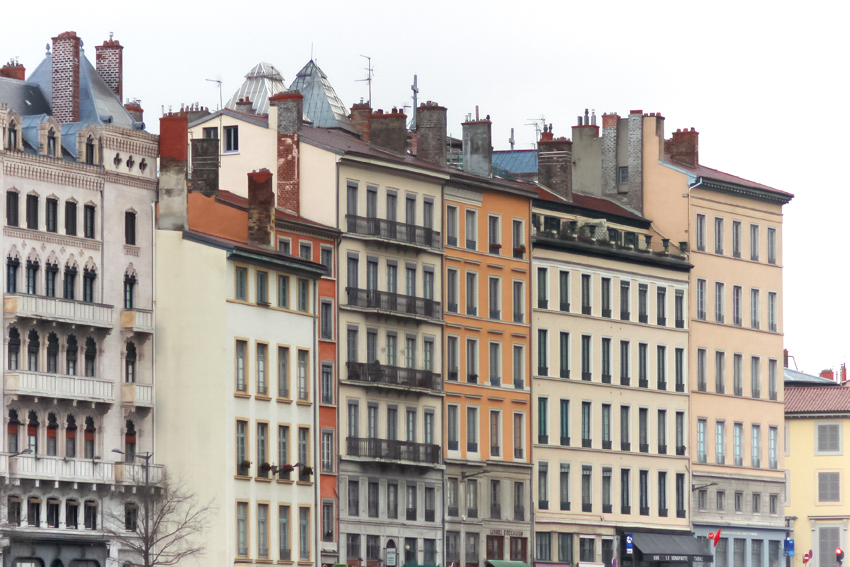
(78, 378)
(732, 229)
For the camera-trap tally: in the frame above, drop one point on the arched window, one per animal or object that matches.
(33, 346)
(32, 433)
(52, 353)
(91, 357)
(12, 432)
(129, 285)
(51, 142)
(89, 439)
(71, 356)
(131, 516)
(13, 137)
(50, 271)
(70, 281)
(71, 437)
(88, 284)
(32, 276)
(14, 349)
(52, 428)
(130, 442)
(130, 363)
(53, 506)
(12, 265)
(90, 151)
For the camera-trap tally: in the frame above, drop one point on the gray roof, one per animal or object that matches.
(516, 161)
(24, 97)
(261, 82)
(321, 104)
(795, 377)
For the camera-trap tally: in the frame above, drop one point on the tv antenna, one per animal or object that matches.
(218, 81)
(220, 99)
(539, 124)
(369, 72)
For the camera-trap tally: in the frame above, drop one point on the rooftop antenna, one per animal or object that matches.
(415, 90)
(221, 109)
(538, 123)
(511, 140)
(368, 79)
(311, 51)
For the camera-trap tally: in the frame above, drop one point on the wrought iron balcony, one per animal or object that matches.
(495, 512)
(58, 386)
(59, 310)
(395, 231)
(375, 374)
(404, 305)
(392, 450)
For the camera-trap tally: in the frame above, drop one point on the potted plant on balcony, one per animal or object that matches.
(265, 468)
(520, 249)
(244, 467)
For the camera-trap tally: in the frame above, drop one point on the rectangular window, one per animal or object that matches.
(586, 357)
(772, 380)
(771, 311)
(738, 374)
(643, 365)
(452, 290)
(495, 434)
(771, 246)
(606, 297)
(564, 485)
(828, 439)
(756, 449)
(327, 451)
(471, 294)
(471, 230)
(625, 428)
(606, 426)
(700, 229)
(519, 367)
(32, 212)
(586, 488)
(661, 306)
(736, 239)
(326, 320)
(719, 305)
(542, 352)
(679, 306)
(738, 444)
(493, 234)
(564, 288)
(70, 218)
(754, 308)
(11, 208)
(662, 493)
(606, 361)
(771, 448)
(495, 301)
(262, 531)
(282, 372)
(720, 442)
(586, 425)
(701, 300)
(585, 294)
(241, 382)
(643, 303)
(283, 291)
(755, 374)
(472, 361)
(720, 372)
(718, 235)
(625, 491)
(472, 429)
(242, 529)
(451, 226)
(231, 138)
(543, 546)
(303, 295)
(624, 300)
(661, 367)
(624, 363)
(701, 370)
(241, 284)
(754, 242)
(304, 533)
(542, 288)
(262, 384)
(565, 548)
(88, 221)
(565, 423)
(565, 355)
(701, 441)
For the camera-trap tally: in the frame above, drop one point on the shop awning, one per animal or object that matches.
(669, 547)
(500, 563)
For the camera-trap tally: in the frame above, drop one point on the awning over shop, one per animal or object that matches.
(669, 547)
(500, 563)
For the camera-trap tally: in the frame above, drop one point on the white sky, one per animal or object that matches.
(765, 84)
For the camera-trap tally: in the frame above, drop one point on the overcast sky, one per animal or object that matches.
(765, 84)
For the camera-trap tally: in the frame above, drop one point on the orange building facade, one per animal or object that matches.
(488, 386)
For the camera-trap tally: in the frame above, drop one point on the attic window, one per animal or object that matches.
(623, 174)
(231, 138)
(90, 151)
(13, 137)
(51, 142)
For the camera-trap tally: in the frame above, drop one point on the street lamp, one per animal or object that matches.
(146, 456)
(18, 453)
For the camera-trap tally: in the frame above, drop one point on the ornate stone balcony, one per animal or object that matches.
(73, 312)
(137, 320)
(43, 385)
(139, 395)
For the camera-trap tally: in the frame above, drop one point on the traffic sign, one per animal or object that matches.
(630, 545)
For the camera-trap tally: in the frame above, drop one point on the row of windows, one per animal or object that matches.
(756, 553)
(389, 209)
(495, 548)
(282, 373)
(51, 361)
(625, 359)
(607, 489)
(721, 235)
(375, 502)
(231, 137)
(412, 278)
(607, 286)
(49, 513)
(496, 430)
(56, 437)
(624, 425)
(51, 217)
(498, 492)
(305, 252)
(496, 241)
(286, 455)
(404, 355)
(265, 535)
(354, 549)
(495, 362)
(738, 444)
(565, 552)
(737, 305)
(739, 499)
(376, 428)
(494, 295)
(285, 296)
(720, 372)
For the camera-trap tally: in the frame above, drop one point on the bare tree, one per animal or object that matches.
(166, 527)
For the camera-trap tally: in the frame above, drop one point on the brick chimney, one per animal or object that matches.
(477, 146)
(684, 147)
(431, 133)
(360, 114)
(245, 105)
(290, 115)
(134, 107)
(609, 153)
(555, 163)
(65, 67)
(13, 70)
(110, 65)
(261, 208)
(173, 143)
(205, 168)
(389, 131)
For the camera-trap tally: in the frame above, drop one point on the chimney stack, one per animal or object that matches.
(609, 154)
(477, 146)
(110, 65)
(555, 164)
(173, 142)
(13, 70)
(134, 107)
(431, 133)
(204, 167)
(261, 209)
(290, 116)
(389, 131)
(360, 114)
(65, 71)
(684, 147)
(245, 105)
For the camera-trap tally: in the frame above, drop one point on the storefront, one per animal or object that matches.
(746, 546)
(657, 549)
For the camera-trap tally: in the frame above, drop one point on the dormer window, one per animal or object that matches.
(51, 142)
(13, 137)
(90, 151)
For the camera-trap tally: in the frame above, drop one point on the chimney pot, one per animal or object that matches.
(478, 146)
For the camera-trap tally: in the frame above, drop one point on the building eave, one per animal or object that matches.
(598, 251)
(573, 209)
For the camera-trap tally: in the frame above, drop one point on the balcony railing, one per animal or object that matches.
(495, 512)
(137, 320)
(134, 474)
(519, 513)
(394, 303)
(61, 310)
(394, 230)
(391, 450)
(393, 376)
(139, 395)
(58, 469)
(410, 514)
(38, 384)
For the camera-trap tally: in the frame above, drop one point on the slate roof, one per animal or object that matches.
(516, 161)
(817, 400)
(24, 97)
(261, 82)
(590, 203)
(321, 104)
(795, 378)
(716, 175)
